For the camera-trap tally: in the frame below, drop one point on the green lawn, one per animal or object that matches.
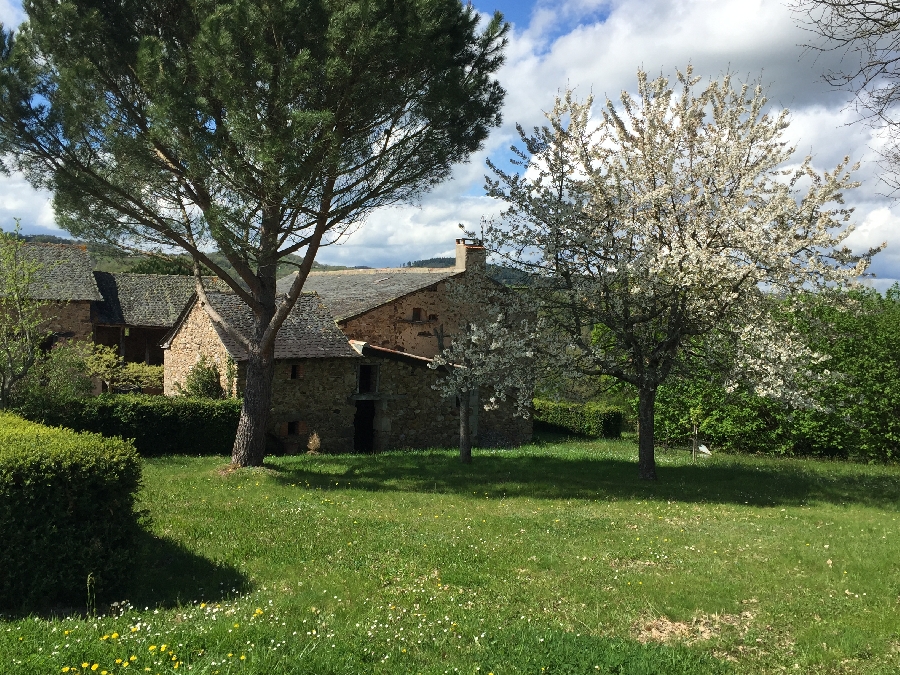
(550, 559)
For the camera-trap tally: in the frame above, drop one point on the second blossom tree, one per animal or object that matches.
(669, 220)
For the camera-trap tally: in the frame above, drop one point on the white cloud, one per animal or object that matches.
(597, 46)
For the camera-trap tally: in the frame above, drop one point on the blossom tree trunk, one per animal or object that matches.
(465, 428)
(646, 456)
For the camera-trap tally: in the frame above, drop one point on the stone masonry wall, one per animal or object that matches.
(315, 401)
(411, 414)
(195, 337)
(442, 307)
(69, 319)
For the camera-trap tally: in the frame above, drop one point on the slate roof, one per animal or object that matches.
(143, 299)
(309, 331)
(349, 293)
(66, 272)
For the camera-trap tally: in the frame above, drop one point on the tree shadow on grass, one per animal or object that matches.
(163, 574)
(166, 574)
(725, 480)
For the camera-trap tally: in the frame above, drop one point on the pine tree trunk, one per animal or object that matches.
(250, 442)
(646, 405)
(465, 432)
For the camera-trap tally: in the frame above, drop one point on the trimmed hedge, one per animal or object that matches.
(588, 419)
(159, 425)
(66, 512)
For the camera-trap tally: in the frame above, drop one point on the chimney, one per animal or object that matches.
(470, 255)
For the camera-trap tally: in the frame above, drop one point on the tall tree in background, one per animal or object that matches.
(662, 223)
(261, 129)
(867, 34)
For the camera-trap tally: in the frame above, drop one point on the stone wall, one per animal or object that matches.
(70, 320)
(410, 413)
(313, 397)
(196, 336)
(444, 306)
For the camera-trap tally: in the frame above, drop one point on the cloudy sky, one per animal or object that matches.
(597, 46)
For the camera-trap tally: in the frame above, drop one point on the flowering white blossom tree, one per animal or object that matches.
(493, 357)
(665, 220)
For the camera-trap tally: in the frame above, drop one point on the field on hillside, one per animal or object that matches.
(552, 559)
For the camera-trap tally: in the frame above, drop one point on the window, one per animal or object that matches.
(432, 317)
(296, 372)
(296, 428)
(368, 379)
(417, 314)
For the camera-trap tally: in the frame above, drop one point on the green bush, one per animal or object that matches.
(66, 514)
(203, 380)
(159, 425)
(857, 415)
(56, 378)
(587, 419)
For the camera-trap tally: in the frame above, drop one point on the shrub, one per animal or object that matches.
(66, 512)
(56, 378)
(159, 425)
(588, 419)
(203, 380)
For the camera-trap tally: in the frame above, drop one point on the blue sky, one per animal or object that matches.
(597, 46)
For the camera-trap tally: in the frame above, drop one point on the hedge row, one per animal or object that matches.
(159, 425)
(588, 419)
(66, 513)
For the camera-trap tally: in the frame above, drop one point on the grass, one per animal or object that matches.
(550, 559)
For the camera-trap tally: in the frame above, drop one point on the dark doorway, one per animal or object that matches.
(364, 427)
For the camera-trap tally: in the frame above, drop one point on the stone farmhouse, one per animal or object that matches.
(357, 377)
(352, 358)
(412, 310)
(132, 312)
(66, 281)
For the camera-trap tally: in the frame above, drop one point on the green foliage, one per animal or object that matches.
(22, 320)
(203, 380)
(143, 375)
(66, 512)
(159, 425)
(181, 265)
(588, 419)
(857, 409)
(57, 377)
(105, 363)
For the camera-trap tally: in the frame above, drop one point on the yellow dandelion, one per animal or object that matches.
(115, 636)
(243, 657)
(151, 648)
(163, 648)
(85, 665)
(65, 669)
(132, 658)
(202, 605)
(95, 666)
(118, 660)
(236, 625)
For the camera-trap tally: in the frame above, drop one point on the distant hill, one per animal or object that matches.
(505, 275)
(432, 262)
